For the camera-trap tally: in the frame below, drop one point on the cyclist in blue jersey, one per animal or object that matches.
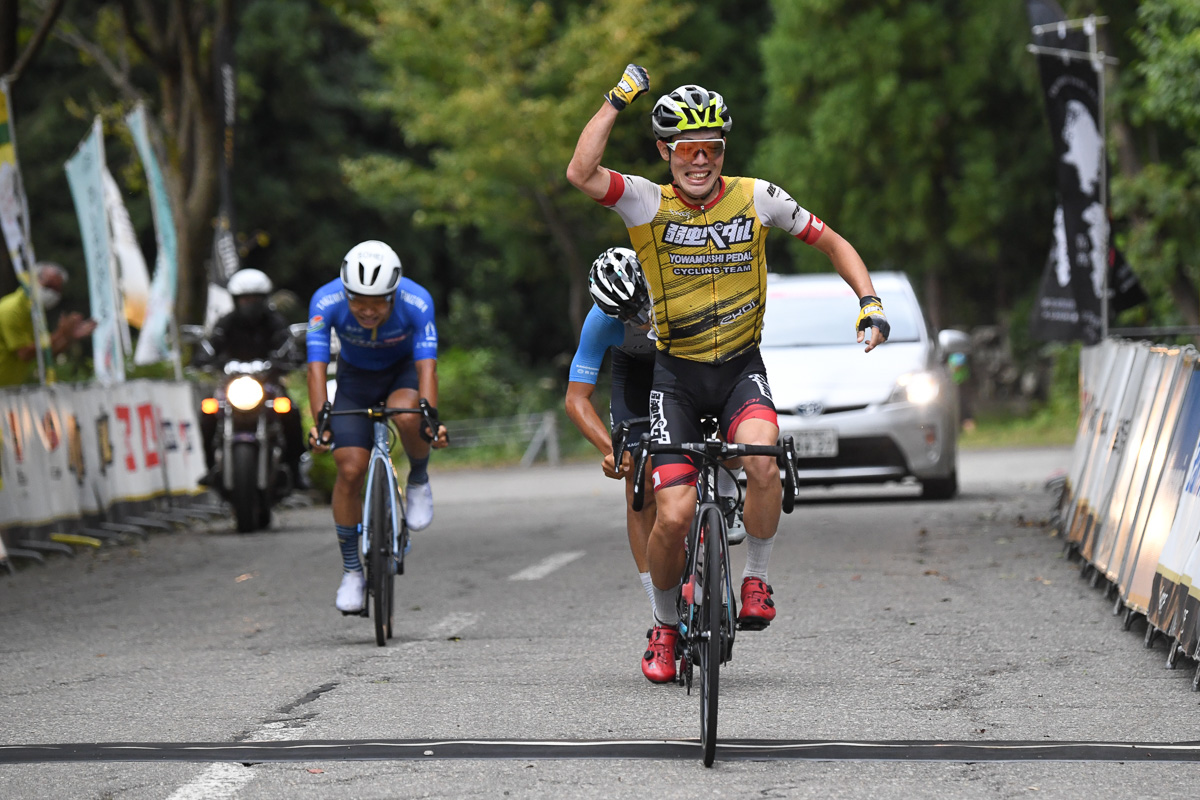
(619, 322)
(388, 338)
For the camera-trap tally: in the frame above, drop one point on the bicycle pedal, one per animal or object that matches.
(753, 625)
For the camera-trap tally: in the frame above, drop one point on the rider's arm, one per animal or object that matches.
(318, 376)
(584, 172)
(583, 414)
(777, 209)
(427, 380)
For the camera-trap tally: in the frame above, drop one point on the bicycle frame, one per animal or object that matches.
(382, 559)
(382, 468)
(708, 624)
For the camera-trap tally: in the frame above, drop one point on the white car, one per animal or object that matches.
(887, 415)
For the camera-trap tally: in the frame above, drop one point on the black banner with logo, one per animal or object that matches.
(1069, 302)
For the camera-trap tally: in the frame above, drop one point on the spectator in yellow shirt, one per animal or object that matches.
(18, 351)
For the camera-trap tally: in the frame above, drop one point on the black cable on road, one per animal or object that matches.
(658, 749)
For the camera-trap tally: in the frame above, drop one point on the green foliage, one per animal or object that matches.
(915, 130)
(1160, 202)
(490, 98)
(488, 383)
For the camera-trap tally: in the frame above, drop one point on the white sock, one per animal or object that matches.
(666, 610)
(758, 553)
(648, 585)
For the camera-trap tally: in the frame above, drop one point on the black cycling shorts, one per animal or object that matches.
(684, 391)
(631, 382)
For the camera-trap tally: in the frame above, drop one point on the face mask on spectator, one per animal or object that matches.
(50, 298)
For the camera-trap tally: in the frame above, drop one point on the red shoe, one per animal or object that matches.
(758, 609)
(658, 662)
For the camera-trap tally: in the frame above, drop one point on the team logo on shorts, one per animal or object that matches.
(764, 388)
(658, 422)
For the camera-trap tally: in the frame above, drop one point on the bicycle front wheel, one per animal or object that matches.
(382, 577)
(710, 629)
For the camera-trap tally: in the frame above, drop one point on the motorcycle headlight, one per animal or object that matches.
(244, 393)
(919, 388)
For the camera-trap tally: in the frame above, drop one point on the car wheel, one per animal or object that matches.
(940, 488)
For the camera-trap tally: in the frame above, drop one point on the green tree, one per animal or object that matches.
(490, 97)
(1156, 195)
(915, 129)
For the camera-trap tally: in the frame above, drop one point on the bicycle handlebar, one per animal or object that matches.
(620, 436)
(716, 452)
(379, 412)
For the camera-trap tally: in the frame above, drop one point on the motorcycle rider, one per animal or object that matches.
(253, 331)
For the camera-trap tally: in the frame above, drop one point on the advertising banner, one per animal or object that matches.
(1147, 466)
(71, 451)
(85, 174)
(1169, 586)
(1068, 305)
(1102, 432)
(1116, 448)
(1166, 498)
(1140, 430)
(155, 342)
(1095, 366)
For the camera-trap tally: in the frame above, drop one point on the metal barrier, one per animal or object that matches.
(539, 430)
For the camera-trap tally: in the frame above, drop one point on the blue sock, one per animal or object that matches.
(417, 473)
(348, 540)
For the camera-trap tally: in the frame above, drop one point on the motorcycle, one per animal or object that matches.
(249, 443)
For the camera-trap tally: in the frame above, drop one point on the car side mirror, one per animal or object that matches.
(953, 341)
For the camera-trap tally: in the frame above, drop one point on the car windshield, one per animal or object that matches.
(815, 315)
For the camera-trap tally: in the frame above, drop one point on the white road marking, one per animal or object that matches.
(546, 566)
(224, 780)
(453, 624)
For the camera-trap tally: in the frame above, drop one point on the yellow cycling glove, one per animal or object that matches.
(870, 315)
(633, 84)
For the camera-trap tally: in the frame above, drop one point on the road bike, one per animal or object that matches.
(707, 603)
(384, 530)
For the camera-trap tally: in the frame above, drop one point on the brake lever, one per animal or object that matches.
(639, 473)
(789, 471)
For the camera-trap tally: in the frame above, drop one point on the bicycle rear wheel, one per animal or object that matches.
(382, 577)
(711, 646)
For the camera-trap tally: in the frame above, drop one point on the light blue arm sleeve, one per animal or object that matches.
(599, 333)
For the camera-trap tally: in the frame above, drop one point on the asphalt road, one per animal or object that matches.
(922, 649)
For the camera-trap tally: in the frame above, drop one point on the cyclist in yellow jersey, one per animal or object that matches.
(700, 242)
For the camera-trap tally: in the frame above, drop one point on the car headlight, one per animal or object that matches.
(244, 393)
(919, 388)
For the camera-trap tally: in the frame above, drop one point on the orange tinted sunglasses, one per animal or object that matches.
(687, 148)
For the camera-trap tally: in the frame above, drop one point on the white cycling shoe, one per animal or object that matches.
(351, 593)
(419, 508)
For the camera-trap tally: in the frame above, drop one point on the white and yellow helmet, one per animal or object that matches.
(690, 108)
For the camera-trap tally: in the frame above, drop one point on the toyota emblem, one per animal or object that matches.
(810, 409)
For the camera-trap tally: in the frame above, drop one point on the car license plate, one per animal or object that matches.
(815, 444)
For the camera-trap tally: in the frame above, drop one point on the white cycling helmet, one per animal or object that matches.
(618, 286)
(371, 269)
(249, 281)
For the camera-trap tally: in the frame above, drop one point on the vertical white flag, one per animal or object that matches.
(132, 281)
(154, 342)
(85, 174)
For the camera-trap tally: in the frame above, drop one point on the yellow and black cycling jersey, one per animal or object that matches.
(705, 265)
